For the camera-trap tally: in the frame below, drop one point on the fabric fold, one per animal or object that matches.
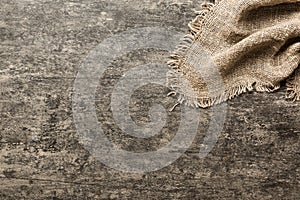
(254, 45)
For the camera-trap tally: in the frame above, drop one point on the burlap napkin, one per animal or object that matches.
(253, 44)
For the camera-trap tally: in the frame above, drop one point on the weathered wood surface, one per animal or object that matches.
(43, 43)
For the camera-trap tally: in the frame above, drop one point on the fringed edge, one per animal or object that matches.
(178, 55)
(181, 89)
(196, 24)
(175, 79)
(243, 88)
(187, 40)
(292, 91)
(192, 101)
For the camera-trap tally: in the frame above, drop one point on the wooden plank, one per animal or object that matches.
(43, 43)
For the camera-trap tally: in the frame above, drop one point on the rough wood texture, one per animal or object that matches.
(43, 43)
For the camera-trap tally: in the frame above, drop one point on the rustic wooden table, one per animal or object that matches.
(43, 43)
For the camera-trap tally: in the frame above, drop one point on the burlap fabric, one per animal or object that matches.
(254, 44)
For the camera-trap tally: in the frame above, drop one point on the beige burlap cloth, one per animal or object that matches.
(253, 44)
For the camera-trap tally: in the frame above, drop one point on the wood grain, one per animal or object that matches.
(44, 42)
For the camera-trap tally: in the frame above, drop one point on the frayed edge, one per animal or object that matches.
(196, 24)
(186, 42)
(181, 92)
(243, 88)
(292, 91)
(178, 55)
(181, 89)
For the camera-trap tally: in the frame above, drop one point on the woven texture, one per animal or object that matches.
(253, 44)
